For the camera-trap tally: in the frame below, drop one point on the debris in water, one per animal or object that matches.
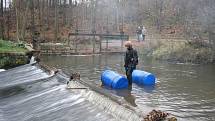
(172, 119)
(157, 115)
(74, 77)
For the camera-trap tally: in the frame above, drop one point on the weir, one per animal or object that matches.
(26, 74)
(32, 73)
(116, 106)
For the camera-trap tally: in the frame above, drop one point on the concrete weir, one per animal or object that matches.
(32, 73)
(111, 104)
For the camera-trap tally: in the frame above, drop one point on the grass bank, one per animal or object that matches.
(7, 47)
(183, 52)
(178, 51)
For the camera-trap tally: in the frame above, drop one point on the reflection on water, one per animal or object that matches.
(186, 91)
(127, 95)
(148, 89)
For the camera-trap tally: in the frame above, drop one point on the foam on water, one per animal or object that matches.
(22, 75)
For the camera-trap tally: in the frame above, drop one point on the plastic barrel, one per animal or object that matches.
(143, 77)
(114, 80)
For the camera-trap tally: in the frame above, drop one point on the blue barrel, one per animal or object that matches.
(143, 78)
(114, 80)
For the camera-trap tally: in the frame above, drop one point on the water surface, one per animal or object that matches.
(27, 93)
(184, 90)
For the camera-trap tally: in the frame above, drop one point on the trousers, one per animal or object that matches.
(129, 71)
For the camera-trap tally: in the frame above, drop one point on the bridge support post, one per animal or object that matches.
(93, 44)
(100, 45)
(94, 41)
(75, 41)
(122, 34)
(106, 44)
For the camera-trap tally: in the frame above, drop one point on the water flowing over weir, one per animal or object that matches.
(22, 75)
(30, 93)
(111, 104)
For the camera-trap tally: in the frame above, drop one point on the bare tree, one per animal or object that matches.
(2, 19)
(56, 2)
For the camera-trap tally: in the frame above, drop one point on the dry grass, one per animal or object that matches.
(181, 51)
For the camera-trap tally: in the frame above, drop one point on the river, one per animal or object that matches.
(184, 90)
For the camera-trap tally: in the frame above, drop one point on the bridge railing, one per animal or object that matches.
(107, 37)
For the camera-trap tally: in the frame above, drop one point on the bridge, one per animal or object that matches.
(102, 39)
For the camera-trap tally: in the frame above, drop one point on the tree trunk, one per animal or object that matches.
(42, 19)
(24, 21)
(159, 7)
(56, 20)
(2, 19)
(48, 11)
(5, 5)
(17, 19)
(64, 12)
(212, 39)
(8, 24)
(32, 25)
(39, 14)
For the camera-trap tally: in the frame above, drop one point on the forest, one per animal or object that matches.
(53, 20)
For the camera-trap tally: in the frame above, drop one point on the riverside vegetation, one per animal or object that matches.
(178, 51)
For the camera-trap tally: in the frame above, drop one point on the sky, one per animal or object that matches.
(7, 3)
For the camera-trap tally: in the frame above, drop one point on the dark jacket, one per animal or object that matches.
(131, 58)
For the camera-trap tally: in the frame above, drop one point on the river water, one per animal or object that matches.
(184, 90)
(27, 93)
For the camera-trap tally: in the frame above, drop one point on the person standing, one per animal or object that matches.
(139, 33)
(131, 61)
(143, 33)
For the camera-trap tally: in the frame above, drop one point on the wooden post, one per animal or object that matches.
(75, 41)
(121, 35)
(94, 42)
(107, 32)
(106, 44)
(76, 47)
(94, 25)
(121, 43)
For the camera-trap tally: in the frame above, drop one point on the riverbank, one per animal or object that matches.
(12, 54)
(177, 51)
(183, 52)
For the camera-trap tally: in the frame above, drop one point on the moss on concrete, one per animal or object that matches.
(12, 61)
(12, 54)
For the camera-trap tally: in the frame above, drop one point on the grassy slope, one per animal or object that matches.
(183, 52)
(7, 46)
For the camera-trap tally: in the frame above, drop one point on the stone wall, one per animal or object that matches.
(10, 60)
